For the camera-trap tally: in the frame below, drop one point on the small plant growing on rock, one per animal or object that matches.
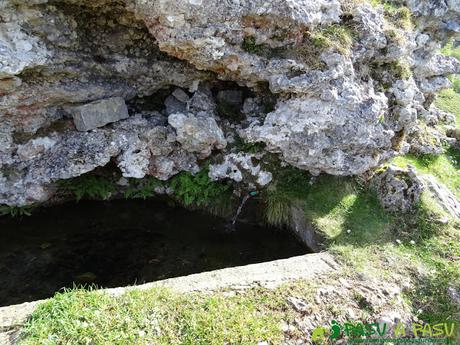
(15, 211)
(253, 148)
(198, 189)
(88, 186)
(335, 36)
(250, 45)
(400, 16)
(278, 208)
(142, 189)
(401, 70)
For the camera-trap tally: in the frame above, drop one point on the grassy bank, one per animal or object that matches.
(157, 316)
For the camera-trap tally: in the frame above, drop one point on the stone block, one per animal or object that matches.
(99, 113)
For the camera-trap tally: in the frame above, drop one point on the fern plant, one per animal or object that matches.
(15, 211)
(198, 190)
(143, 189)
(88, 186)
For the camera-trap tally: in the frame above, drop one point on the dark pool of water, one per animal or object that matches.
(121, 243)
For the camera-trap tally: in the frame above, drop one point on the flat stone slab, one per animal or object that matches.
(99, 113)
(268, 274)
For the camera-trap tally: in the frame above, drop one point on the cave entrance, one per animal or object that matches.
(124, 242)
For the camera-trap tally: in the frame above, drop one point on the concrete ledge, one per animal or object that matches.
(269, 274)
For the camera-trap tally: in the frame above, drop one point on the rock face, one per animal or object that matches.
(332, 86)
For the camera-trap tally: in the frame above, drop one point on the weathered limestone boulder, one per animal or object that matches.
(209, 34)
(150, 148)
(198, 133)
(98, 114)
(71, 155)
(398, 190)
(339, 133)
(444, 197)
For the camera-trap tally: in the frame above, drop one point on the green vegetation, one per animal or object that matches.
(420, 245)
(88, 186)
(401, 70)
(373, 241)
(243, 146)
(156, 316)
(400, 16)
(250, 46)
(289, 186)
(199, 190)
(387, 73)
(15, 211)
(278, 209)
(449, 99)
(335, 36)
(443, 167)
(142, 188)
(451, 51)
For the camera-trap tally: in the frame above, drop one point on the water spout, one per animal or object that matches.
(240, 208)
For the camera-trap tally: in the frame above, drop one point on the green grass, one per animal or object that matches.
(336, 36)
(341, 209)
(443, 167)
(449, 100)
(387, 246)
(451, 51)
(372, 241)
(290, 185)
(399, 16)
(250, 45)
(157, 316)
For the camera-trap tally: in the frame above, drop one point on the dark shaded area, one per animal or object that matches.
(120, 243)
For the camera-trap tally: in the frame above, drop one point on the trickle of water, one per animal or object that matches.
(240, 208)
